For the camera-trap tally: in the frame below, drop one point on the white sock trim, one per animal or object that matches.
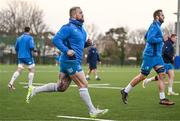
(162, 95)
(128, 88)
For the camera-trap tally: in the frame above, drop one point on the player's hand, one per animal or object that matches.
(35, 54)
(70, 53)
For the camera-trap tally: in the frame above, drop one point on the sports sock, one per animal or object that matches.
(30, 77)
(170, 89)
(14, 77)
(128, 88)
(87, 76)
(162, 95)
(96, 76)
(84, 94)
(50, 87)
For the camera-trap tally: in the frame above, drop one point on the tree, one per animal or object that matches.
(136, 38)
(19, 14)
(119, 36)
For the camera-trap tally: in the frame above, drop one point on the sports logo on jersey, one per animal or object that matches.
(75, 30)
(29, 63)
(70, 70)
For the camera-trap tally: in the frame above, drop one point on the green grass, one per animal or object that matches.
(143, 103)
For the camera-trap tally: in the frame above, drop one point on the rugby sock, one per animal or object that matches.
(87, 76)
(30, 77)
(170, 86)
(50, 87)
(96, 76)
(149, 80)
(128, 88)
(162, 95)
(170, 89)
(14, 77)
(84, 94)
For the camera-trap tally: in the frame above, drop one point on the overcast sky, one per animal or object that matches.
(106, 14)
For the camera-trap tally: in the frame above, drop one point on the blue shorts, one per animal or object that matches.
(70, 67)
(168, 66)
(149, 63)
(27, 61)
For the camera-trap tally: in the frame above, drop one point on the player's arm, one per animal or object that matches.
(16, 45)
(61, 36)
(32, 47)
(152, 37)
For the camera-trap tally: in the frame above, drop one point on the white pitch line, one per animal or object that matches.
(176, 82)
(84, 118)
(98, 86)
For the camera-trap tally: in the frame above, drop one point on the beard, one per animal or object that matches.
(81, 20)
(161, 21)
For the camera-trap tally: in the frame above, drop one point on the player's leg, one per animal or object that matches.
(161, 77)
(88, 73)
(148, 80)
(145, 70)
(15, 76)
(60, 86)
(171, 80)
(31, 69)
(81, 82)
(95, 72)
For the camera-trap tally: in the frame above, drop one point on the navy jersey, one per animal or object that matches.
(168, 51)
(93, 56)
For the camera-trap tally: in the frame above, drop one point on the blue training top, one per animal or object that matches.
(71, 36)
(154, 40)
(24, 45)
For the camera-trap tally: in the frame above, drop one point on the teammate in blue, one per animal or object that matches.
(92, 59)
(57, 57)
(71, 40)
(152, 58)
(168, 57)
(24, 47)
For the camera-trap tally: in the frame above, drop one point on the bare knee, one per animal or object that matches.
(162, 76)
(63, 85)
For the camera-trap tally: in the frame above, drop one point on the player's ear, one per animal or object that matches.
(157, 17)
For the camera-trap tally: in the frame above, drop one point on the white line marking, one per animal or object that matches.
(98, 86)
(84, 118)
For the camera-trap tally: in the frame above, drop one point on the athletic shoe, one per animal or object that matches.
(11, 87)
(124, 96)
(172, 93)
(98, 112)
(166, 102)
(30, 93)
(145, 82)
(98, 79)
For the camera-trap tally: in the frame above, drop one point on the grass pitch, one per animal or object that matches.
(143, 103)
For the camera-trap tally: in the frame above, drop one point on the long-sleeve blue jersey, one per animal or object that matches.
(154, 40)
(24, 45)
(71, 36)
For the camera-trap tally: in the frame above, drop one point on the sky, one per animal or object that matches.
(106, 14)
